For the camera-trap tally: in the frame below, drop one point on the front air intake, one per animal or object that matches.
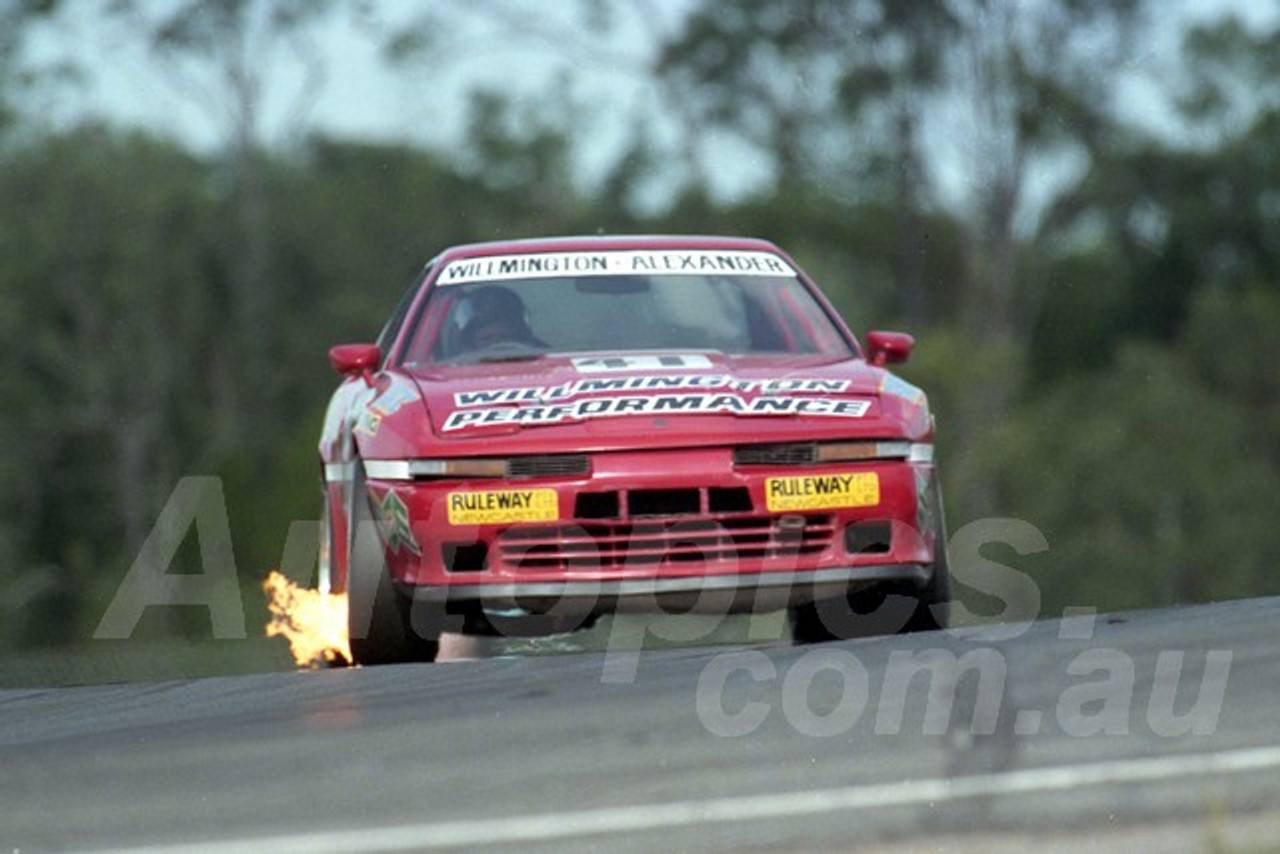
(557, 465)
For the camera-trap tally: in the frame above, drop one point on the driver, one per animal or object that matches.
(494, 315)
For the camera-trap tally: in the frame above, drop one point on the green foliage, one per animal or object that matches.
(966, 381)
(1147, 479)
(1233, 342)
(806, 79)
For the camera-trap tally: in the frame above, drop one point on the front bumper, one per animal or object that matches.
(677, 528)
(709, 594)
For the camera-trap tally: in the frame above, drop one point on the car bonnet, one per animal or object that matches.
(597, 400)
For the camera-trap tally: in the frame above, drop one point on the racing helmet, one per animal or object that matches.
(492, 305)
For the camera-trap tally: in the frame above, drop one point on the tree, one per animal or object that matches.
(223, 55)
(1161, 218)
(1144, 477)
(107, 302)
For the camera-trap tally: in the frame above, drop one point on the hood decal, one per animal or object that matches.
(614, 385)
(628, 362)
(898, 387)
(616, 405)
(384, 404)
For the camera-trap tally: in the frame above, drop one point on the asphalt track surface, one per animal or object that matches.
(1058, 727)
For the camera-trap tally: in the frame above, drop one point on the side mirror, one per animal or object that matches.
(352, 360)
(888, 348)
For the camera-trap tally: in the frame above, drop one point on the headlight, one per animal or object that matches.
(841, 452)
(415, 469)
(807, 454)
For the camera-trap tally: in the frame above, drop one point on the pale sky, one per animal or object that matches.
(519, 52)
(364, 98)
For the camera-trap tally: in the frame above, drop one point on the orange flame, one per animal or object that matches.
(314, 623)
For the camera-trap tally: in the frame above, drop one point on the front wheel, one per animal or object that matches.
(380, 620)
(884, 609)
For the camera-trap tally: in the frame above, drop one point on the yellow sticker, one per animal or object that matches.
(501, 506)
(822, 491)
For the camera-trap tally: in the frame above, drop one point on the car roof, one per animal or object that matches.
(597, 242)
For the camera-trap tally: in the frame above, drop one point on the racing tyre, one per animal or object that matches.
(884, 609)
(380, 620)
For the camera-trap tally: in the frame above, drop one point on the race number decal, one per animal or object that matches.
(822, 492)
(605, 364)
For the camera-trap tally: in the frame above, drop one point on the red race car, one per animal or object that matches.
(551, 430)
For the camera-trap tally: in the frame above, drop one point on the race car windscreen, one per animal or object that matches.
(491, 311)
